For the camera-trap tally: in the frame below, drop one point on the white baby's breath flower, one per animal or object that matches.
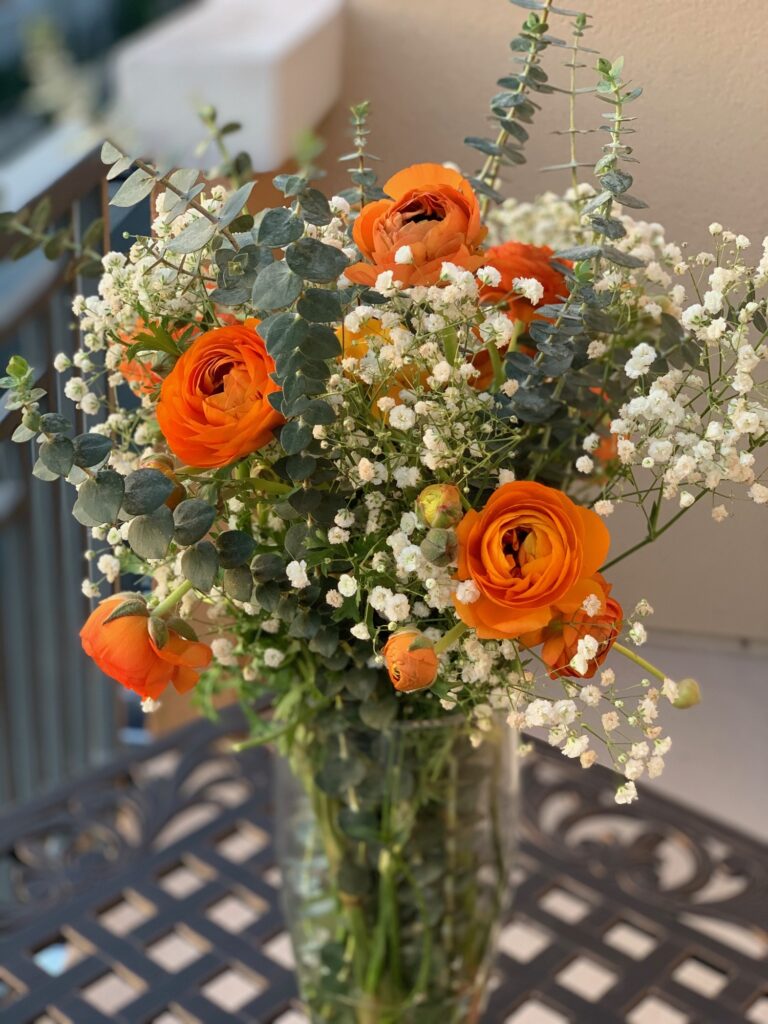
(273, 658)
(759, 494)
(626, 794)
(467, 592)
(640, 360)
(576, 746)
(592, 605)
(337, 536)
(590, 695)
(347, 585)
(603, 507)
(334, 599)
(62, 362)
(402, 417)
(404, 255)
(296, 571)
(530, 288)
(610, 721)
(360, 631)
(638, 634)
(584, 464)
(489, 275)
(109, 567)
(720, 513)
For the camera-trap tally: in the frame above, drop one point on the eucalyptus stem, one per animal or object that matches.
(490, 169)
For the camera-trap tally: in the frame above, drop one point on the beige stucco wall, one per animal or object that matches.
(429, 67)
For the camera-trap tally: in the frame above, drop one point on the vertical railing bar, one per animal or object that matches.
(73, 716)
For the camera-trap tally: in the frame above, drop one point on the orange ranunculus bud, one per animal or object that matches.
(440, 505)
(432, 210)
(530, 550)
(517, 259)
(214, 405)
(571, 623)
(439, 546)
(410, 668)
(124, 650)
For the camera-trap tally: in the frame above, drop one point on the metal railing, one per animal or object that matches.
(58, 713)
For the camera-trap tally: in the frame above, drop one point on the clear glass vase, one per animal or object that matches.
(396, 847)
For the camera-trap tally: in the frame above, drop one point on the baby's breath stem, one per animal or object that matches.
(640, 661)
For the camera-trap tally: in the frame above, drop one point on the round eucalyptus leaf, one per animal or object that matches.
(315, 207)
(320, 305)
(200, 565)
(58, 454)
(55, 423)
(313, 260)
(235, 548)
(91, 449)
(295, 436)
(99, 499)
(192, 519)
(149, 535)
(276, 286)
(238, 583)
(280, 227)
(145, 490)
(268, 566)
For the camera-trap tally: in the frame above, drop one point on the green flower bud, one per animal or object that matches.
(17, 367)
(440, 505)
(440, 546)
(688, 694)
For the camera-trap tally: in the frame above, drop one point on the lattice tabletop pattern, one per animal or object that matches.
(148, 894)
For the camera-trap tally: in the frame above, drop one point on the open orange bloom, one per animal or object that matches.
(214, 404)
(434, 211)
(124, 650)
(560, 638)
(517, 259)
(529, 550)
(409, 669)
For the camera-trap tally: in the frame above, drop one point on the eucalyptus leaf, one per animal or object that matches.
(233, 204)
(320, 305)
(58, 454)
(194, 237)
(146, 490)
(91, 449)
(135, 188)
(149, 535)
(268, 566)
(313, 260)
(276, 286)
(238, 583)
(55, 423)
(235, 548)
(99, 499)
(315, 208)
(192, 519)
(295, 436)
(200, 565)
(280, 227)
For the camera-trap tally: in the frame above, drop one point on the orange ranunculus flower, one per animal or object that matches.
(355, 344)
(560, 638)
(517, 259)
(124, 650)
(409, 669)
(214, 404)
(435, 212)
(530, 549)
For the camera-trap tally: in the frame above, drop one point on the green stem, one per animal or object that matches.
(652, 535)
(453, 634)
(173, 599)
(640, 661)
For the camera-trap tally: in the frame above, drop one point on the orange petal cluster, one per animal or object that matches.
(124, 650)
(214, 404)
(560, 637)
(434, 211)
(518, 259)
(529, 551)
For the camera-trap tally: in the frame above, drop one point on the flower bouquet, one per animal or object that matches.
(366, 446)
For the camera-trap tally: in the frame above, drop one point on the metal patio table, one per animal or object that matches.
(147, 892)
